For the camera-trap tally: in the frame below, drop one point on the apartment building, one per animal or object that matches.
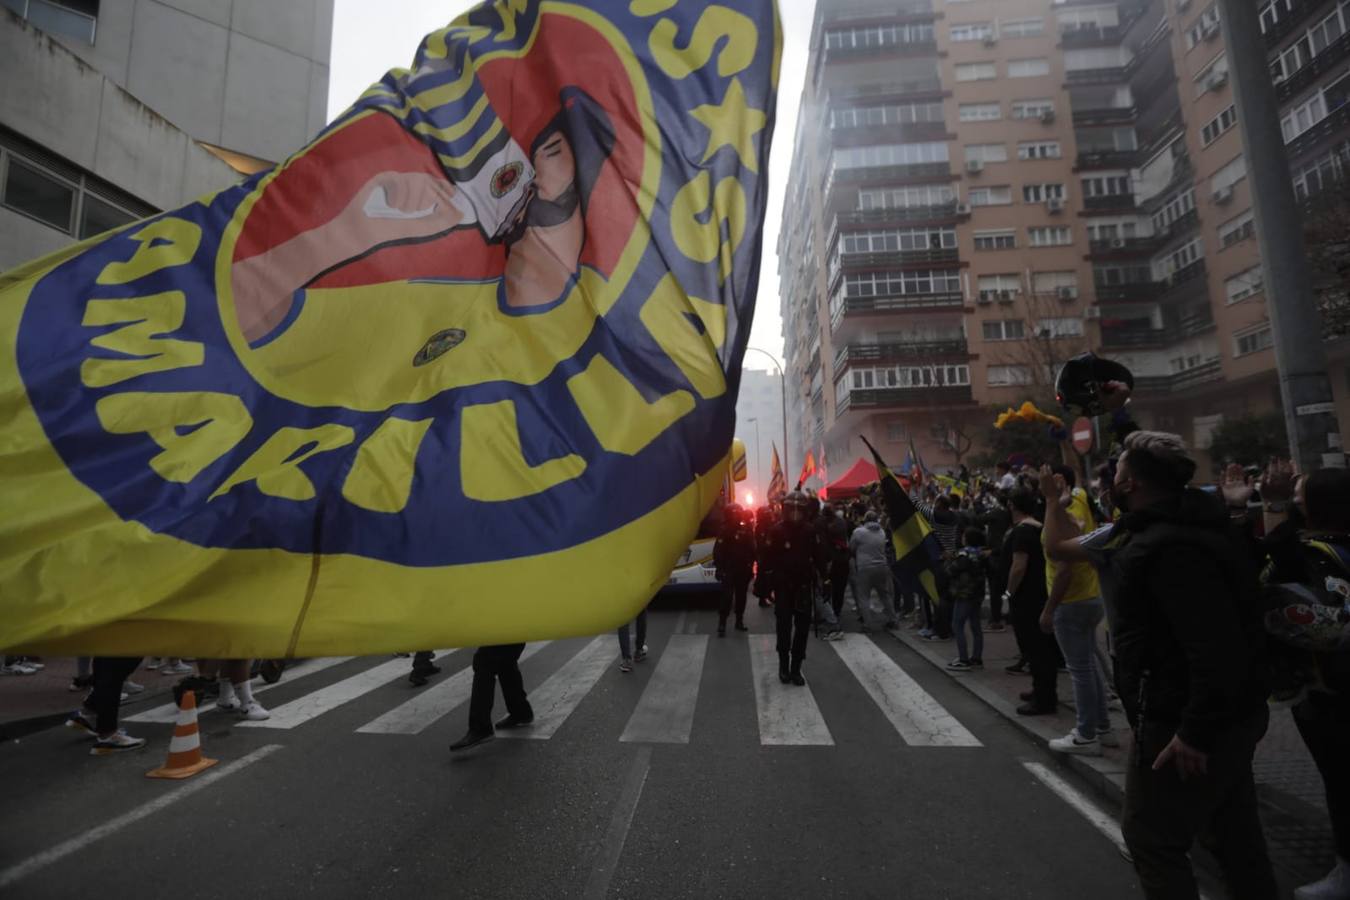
(979, 191)
(116, 109)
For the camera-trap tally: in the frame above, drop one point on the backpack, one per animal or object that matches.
(1313, 614)
(965, 577)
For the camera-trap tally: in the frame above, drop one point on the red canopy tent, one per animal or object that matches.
(850, 485)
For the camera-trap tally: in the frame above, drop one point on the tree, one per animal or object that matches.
(1030, 439)
(1248, 440)
(1326, 229)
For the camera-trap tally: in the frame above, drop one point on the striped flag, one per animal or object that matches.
(777, 483)
(916, 547)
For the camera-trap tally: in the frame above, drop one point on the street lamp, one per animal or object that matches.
(759, 473)
(782, 386)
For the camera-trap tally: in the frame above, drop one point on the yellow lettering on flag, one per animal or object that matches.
(617, 412)
(666, 315)
(275, 466)
(218, 422)
(492, 463)
(163, 243)
(381, 478)
(145, 319)
(716, 23)
(700, 240)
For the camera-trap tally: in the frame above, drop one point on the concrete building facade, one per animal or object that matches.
(759, 425)
(114, 109)
(979, 193)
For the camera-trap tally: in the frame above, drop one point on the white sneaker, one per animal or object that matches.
(154, 662)
(1108, 738)
(231, 705)
(132, 687)
(1075, 743)
(34, 665)
(117, 743)
(1335, 886)
(178, 668)
(254, 712)
(17, 669)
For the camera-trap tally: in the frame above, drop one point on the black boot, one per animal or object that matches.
(783, 674)
(721, 627)
(796, 673)
(740, 626)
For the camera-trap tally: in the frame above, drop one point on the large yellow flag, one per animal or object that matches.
(461, 371)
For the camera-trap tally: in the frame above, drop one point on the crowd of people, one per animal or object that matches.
(1190, 608)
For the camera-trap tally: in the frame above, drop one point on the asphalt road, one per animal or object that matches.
(881, 779)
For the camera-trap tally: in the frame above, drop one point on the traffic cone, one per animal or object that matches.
(185, 749)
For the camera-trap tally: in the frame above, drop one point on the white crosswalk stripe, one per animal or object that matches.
(665, 712)
(431, 704)
(169, 711)
(919, 718)
(788, 714)
(310, 706)
(555, 699)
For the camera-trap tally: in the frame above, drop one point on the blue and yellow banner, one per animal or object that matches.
(917, 550)
(461, 371)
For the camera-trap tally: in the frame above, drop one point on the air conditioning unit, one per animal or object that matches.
(985, 297)
(1047, 116)
(963, 209)
(1054, 205)
(1223, 195)
(1117, 244)
(1211, 31)
(1216, 80)
(1067, 293)
(974, 166)
(1005, 296)
(1092, 312)
(990, 40)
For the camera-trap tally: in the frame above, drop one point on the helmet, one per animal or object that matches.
(1078, 386)
(796, 506)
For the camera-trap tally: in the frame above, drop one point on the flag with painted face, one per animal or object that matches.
(461, 371)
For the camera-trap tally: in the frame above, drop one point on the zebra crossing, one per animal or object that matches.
(664, 713)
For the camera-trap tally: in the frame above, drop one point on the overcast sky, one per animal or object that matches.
(369, 39)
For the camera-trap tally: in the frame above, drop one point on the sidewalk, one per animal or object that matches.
(1293, 810)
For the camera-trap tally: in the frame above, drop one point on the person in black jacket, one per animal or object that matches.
(734, 556)
(793, 558)
(1191, 671)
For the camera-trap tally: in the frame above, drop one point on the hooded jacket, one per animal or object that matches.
(1188, 637)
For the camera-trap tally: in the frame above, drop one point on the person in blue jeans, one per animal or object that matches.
(967, 573)
(626, 649)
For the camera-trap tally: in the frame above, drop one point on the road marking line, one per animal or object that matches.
(168, 713)
(788, 715)
(312, 705)
(1097, 817)
(679, 623)
(78, 843)
(432, 704)
(665, 712)
(616, 835)
(557, 698)
(919, 718)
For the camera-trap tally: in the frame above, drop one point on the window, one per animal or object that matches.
(890, 114)
(1273, 11)
(906, 197)
(96, 217)
(1032, 109)
(1187, 254)
(1326, 31)
(1010, 282)
(976, 31)
(1002, 239)
(35, 193)
(989, 196)
(979, 112)
(898, 239)
(1028, 68)
(895, 431)
(1038, 150)
(890, 155)
(1304, 116)
(989, 153)
(1055, 283)
(1210, 131)
(1247, 283)
(1050, 236)
(1009, 375)
(1039, 193)
(1090, 58)
(978, 71)
(1205, 27)
(1106, 186)
(1112, 229)
(876, 36)
(1060, 327)
(1218, 67)
(903, 377)
(1004, 330)
(1179, 205)
(1023, 28)
(1237, 229)
(1228, 175)
(1252, 340)
(72, 18)
(1322, 173)
(923, 281)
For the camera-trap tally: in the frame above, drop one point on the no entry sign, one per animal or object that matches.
(1082, 434)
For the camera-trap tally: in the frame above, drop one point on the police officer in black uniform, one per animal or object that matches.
(734, 556)
(796, 558)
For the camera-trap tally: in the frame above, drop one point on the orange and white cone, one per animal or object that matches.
(185, 749)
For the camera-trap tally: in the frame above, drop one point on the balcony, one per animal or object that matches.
(1133, 336)
(1129, 292)
(1186, 283)
(1090, 36)
(901, 133)
(860, 354)
(1105, 115)
(909, 49)
(1309, 140)
(904, 398)
(1289, 21)
(886, 175)
(1105, 159)
(904, 303)
(892, 216)
(1110, 203)
(1180, 381)
(883, 91)
(1110, 75)
(893, 259)
(1118, 247)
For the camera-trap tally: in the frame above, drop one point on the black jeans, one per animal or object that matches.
(110, 673)
(498, 663)
(793, 615)
(997, 585)
(1164, 814)
(838, 587)
(1324, 722)
(733, 595)
(1039, 650)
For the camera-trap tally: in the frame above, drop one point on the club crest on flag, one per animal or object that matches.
(384, 394)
